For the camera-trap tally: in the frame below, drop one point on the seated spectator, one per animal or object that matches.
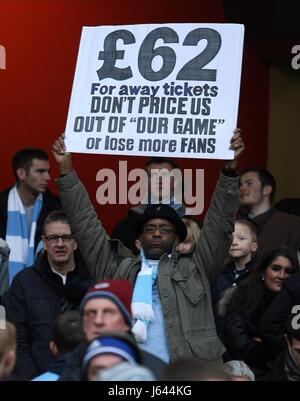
(160, 190)
(239, 371)
(55, 284)
(247, 304)
(286, 366)
(244, 244)
(67, 333)
(193, 229)
(107, 351)
(7, 350)
(274, 228)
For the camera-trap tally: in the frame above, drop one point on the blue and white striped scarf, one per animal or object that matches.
(142, 298)
(17, 238)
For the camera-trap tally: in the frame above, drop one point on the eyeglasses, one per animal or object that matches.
(53, 239)
(150, 229)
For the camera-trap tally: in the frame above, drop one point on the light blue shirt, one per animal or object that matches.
(156, 343)
(46, 377)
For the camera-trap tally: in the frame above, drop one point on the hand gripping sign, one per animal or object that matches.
(169, 89)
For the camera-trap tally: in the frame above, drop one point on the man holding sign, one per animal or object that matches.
(171, 301)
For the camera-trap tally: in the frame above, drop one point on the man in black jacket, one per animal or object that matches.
(55, 284)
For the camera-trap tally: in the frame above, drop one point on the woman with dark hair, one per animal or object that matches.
(243, 307)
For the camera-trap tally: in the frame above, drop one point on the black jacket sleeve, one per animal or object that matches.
(241, 343)
(17, 313)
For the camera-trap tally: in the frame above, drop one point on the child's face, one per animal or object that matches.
(243, 242)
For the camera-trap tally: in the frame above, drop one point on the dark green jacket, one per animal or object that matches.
(184, 281)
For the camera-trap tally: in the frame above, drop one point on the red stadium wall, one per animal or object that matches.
(41, 40)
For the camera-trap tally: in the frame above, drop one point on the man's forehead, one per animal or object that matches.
(105, 360)
(59, 226)
(39, 163)
(250, 175)
(99, 302)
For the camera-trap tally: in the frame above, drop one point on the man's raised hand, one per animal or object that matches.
(62, 157)
(236, 144)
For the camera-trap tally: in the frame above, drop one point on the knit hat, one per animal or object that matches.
(117, 291)
(161, 211)
(111, 344)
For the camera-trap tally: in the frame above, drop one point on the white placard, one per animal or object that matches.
(168, 89)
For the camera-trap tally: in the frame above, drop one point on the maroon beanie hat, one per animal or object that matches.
(117, 291)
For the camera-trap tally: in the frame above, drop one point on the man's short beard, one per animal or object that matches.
(156, 254)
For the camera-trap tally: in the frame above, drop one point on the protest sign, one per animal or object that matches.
(170, 89)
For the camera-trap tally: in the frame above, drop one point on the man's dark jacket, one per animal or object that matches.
(277, 367)
(36, 297)
(50, 203)
(73, 363)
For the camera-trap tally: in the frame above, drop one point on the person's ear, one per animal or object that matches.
(138, 244)
(44, 243)
(53, 348)
(10, 361)
(75, 245)
(267, 190)
(21, 173)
